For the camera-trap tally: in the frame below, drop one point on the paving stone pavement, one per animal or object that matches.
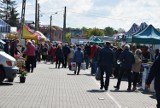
(48, 87)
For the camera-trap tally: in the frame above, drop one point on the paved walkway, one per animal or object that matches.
(48, 87)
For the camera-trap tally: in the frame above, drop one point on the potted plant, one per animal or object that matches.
(22, 74)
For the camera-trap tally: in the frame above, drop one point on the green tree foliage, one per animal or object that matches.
(11, 15)
(85, 31)
(88, 32)
(109, 31)
(95, 32)
(68, 37)
(13, 20)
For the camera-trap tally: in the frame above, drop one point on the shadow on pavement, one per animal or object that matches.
(119, 91)
(71, 74)
(87, 74)
(153, 96)
(6, 84)
(51, 68)
(95, 91)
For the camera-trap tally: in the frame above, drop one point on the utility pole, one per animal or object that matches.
(64, 26)
(22, 17)
(50, 30)
(38, 16)
(36, 6)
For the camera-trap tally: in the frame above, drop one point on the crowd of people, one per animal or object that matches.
(112, 61)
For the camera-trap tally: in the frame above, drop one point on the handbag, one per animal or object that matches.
(83, 66)
(73, 66)
(98, 74)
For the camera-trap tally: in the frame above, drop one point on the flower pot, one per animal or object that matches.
(22, 79)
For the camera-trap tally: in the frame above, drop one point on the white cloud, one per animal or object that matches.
(86, 13)
(136, 11)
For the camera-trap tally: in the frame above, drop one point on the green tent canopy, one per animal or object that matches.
(148, 36)
(96, 40)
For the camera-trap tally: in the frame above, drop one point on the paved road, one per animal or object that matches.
(48, 87)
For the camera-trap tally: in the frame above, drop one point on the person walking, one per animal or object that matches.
(105, 63)
(66, 51)
(127, 59)
(117, 65)
(45, 52)
(70, 56)
(59, 56)
(52, 53)
(87, 53)
(93, 63)
(30, 53)
(155, 74)
(136, 68)
(78, 58)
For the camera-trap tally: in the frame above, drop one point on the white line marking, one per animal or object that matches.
(114, 100)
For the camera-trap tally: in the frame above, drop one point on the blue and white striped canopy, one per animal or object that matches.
(4, 27)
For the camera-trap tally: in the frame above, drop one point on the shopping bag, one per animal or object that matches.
(73, 66)
(98, 74)
(83, 66)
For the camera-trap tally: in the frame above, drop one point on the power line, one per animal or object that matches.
(48, 13)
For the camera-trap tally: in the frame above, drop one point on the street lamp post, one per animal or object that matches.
(51, 24)
(50, 27)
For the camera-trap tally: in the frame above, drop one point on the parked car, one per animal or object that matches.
(8, 67)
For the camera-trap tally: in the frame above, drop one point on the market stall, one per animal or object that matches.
(148, 36)
(96, 40)
(4, 27)
(29, 34)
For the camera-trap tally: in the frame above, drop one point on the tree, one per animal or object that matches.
(68, 37)
(121, 30)
(13, 20)
(84, 32)
(11, 15)
(109, 31)
(96, 32)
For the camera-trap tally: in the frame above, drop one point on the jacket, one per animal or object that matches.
(30, 50)
(155, 73)
(137, 65)
(93, 50)
(106, 57)
(66, 51)
(71, 54)
(59, 53)
(127, 59)
(88, 50)
(78, 57)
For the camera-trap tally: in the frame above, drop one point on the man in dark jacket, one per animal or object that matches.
(127, 59)
(78, 58)
(105, 63)
(87, 53)
(66, 51)
(155, 73)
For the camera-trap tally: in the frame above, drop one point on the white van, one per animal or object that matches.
(8, 67)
